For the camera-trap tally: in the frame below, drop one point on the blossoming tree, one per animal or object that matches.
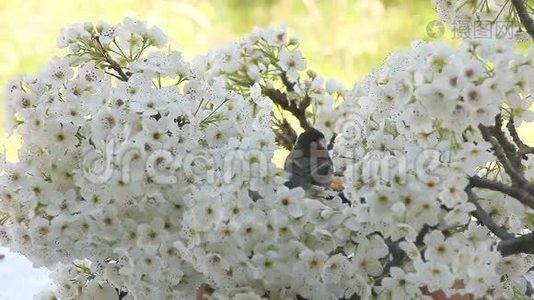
(142, 176)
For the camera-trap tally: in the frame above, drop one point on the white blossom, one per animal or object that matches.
(155, 175)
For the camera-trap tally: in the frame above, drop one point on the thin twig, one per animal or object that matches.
(112, 63)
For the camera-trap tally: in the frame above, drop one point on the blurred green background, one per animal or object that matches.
(340, 38)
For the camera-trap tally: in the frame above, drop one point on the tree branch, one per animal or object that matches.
(117, 68)
(524, 16)
(518, 193)
(484, 217)
(504, 156)
(507, 153)
(280, 98)
(516, 245)
(523, 149)
(510, 156)
(508, 147)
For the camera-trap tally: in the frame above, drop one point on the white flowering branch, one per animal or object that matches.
(168, 171)
(111, 63)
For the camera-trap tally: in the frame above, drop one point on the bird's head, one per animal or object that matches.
(311, 139)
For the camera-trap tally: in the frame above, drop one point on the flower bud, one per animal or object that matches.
(89, 27)
(293, 41)
(311, 73)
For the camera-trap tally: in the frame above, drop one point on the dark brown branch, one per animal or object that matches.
(508, 147)
(288, 84)
(280, 98)
(509, 244)
(516, 245)
(397, 254)
(510, 156)
(518, 193)
(509, 167)
(505, 152)
(111, 74)
(523, 149)
(513, 133)
(524, 16)
(485, 218)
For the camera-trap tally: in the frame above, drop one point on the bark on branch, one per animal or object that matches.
(516, 192)
(524, 16)
(485, 218)
(298, 111)
(510, 155)
(516, 245)
(523, 149)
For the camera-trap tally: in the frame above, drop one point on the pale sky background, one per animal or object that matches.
(19, 280)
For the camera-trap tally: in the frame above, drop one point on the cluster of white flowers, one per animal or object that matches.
(269, 59)
(408, 149)
(160, 176)
(145, 176)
